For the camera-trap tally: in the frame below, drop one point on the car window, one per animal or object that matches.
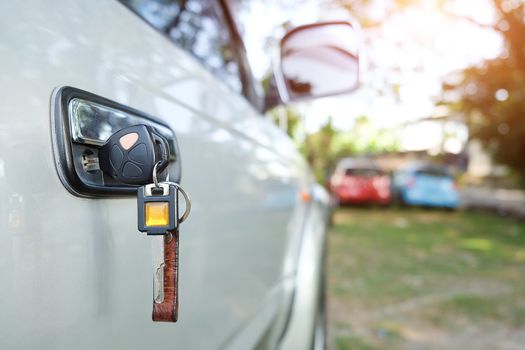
(363, 172)
(433, 172)
(199, 28)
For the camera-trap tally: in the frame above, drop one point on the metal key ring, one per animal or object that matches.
(187, 200)
(155, 179)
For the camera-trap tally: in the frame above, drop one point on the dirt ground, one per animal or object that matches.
(425, 279)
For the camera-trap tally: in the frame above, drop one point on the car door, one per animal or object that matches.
(75, 272)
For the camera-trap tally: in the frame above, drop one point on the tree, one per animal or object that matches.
(324, 148)
(318, 150)
(492, 94)
(291, 117)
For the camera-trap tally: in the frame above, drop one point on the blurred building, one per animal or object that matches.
(444, 140)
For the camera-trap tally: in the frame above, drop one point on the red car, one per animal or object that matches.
(357, 182)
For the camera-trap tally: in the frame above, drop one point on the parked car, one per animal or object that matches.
(426, 184)
(75, 271)
(357, 181)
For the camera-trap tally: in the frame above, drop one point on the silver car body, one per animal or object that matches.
(75, 273)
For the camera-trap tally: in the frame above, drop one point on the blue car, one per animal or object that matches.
(426, 185)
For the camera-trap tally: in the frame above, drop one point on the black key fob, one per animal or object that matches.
(130, 154)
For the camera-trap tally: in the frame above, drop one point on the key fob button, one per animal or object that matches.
(115, 157)
(127, 141)
(139, 154)
(131, 170)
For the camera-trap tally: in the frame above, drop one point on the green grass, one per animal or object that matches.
(422, 272)
(474, 308)
(352, 343)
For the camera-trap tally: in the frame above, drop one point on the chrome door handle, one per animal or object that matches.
(81, 122)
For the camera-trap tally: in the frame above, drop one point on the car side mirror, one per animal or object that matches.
(318, 60)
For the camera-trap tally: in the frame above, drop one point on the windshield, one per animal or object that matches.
(363, 172)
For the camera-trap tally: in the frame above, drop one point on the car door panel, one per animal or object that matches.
(75, 271)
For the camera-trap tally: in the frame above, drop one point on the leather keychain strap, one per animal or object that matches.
(167, 310)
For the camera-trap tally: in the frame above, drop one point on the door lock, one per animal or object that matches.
(104, 148)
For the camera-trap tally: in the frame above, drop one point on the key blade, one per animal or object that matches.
(157, 249)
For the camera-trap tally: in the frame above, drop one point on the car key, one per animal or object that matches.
(158, 214)
(130, 154)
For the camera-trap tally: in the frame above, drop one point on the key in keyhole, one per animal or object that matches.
(130, 154)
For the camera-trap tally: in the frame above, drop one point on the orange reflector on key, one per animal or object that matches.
(157, 214)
